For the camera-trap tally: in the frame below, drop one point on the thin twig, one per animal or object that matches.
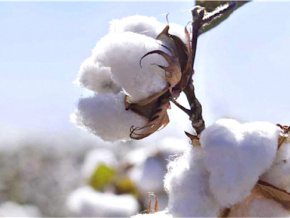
(195, 106)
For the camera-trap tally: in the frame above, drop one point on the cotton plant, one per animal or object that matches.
(135, 72)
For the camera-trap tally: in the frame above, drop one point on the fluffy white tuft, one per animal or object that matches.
(187, 186)
(236, 155)
(86, 202)
(160, 214)
(96, 77)
(105, 116)
(279, 173)
(148, 26)
(12, 209)
(122, 53)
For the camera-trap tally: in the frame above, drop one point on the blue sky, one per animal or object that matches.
(242, 66)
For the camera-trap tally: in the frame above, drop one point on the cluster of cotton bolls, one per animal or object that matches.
(114, 70)
(222, 172)
(143, 167)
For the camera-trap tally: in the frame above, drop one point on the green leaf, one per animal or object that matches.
(102, 177)
(126, 186)
(211, 6)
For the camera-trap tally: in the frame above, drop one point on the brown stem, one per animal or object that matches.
(196, 118)
(195, 114)
(199, 19)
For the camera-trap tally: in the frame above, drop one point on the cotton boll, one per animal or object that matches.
(279, 174)
(105, 116)
(236, 155)
(122, 53)
(148, 26)
(86, 202)
(12, 209)
(187, 185)
(160, 214)
(259, 207)
(96, 77)
(96, 157)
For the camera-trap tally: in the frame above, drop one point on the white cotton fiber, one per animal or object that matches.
(279, 174)
(122, 53)
(160, 214)
(96, 77)
(97, 157)
(12, 209)
(187, 185)
(105, 116)
(86, 202)
(148, 26)
(236, 155)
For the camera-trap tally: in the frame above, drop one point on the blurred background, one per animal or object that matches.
(48, 167)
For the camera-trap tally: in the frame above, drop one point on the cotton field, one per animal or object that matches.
(179, 112)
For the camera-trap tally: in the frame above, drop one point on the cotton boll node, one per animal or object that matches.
(105, 116)
(236, 155)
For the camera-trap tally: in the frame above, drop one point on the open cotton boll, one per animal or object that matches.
(236, 155)
(97, 78)
(279, 174)
(148, 26)
(259, 207)
(86, 202)
(122, 53)
(12, 209)
(96, 157)
(187, 185)
(105, 116)
(160, 214)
